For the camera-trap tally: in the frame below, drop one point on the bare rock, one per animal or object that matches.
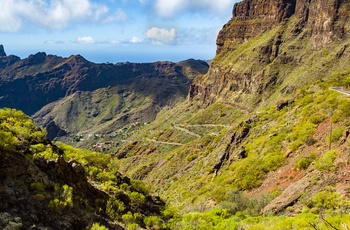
(2, 51)
(288, 197)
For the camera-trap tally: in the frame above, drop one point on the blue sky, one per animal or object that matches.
(114, 30)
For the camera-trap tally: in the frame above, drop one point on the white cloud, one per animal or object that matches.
(161, 35)
(54, 14)
(166, 8)
(85, 40)
(135, 40)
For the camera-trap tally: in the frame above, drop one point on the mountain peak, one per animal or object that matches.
(2, 51)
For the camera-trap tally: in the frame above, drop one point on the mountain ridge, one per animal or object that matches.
(43, 79)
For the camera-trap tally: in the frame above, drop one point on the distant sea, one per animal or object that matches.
(114, 54)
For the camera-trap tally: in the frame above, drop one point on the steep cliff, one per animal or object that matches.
(265, 42)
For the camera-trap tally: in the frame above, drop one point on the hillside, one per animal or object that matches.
(263, 132)
(72, 95)
(262, 140)
(44, 186)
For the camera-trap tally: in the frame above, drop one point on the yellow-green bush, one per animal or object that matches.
(325, 162)
(97, 226)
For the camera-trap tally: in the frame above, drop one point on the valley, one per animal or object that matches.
(260, 139)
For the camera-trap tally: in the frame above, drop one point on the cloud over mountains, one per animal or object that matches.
(53, 14)
(161, 35)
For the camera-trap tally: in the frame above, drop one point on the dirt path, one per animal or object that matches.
(163, 142)
(207, 125)
(340, 90)
(187, 131)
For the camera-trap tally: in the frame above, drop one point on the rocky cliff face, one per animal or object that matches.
(323, 21)
(251, 18)
(265, 39)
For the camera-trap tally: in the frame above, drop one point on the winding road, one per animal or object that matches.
(340, 90)
(163, 142)
(187, 131)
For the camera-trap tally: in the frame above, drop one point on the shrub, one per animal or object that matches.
(115, 208)
(335, 135)
(130, 218)
(38, 186)
(328, 199)
(63, 198)
(140, 186)
(303, 163)
(97, 226)
(249, 172)
(7, 141)
(136, 197)
(325, 163)
(152, 222)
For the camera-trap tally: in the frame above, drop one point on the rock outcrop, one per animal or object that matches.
(253, 17)
(6, 60)
(2, 51)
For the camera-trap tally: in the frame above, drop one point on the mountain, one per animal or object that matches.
(262, 140)
(71, 95)
(264, 131)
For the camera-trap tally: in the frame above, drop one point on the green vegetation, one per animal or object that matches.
(127, 201)
(218, 165)
(63, 198)
(328, 200)
(223, 219)
(17, 129)
(304, 162)
(325, 162)
(97, 226)
(249, 172)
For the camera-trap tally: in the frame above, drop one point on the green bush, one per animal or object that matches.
(249, 172)
(97, 226)
(115, 208)
(325, 163)
(153, 222)
(335, 135)
(140, 186)
(136, 197)
(63, 198)
(328, 199)
(342, 112)
(303, 163)
(7, 141)
(301, 133)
